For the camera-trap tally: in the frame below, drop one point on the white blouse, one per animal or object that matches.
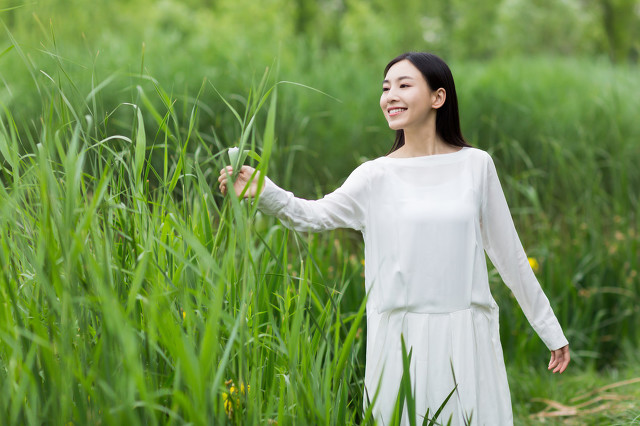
(426, 223)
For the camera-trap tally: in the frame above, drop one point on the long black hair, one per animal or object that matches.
(438, 75)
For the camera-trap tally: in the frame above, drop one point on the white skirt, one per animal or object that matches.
(464, 343)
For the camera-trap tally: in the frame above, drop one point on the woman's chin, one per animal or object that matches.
(394, 126)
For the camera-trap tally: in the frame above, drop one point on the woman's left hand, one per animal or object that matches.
(559, 359)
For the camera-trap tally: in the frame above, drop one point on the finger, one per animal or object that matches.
(563, 361)
(556, 367)
(566, 360)
(562, 365)
(552, 361)
(246, 170)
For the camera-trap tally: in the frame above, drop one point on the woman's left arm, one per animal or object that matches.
(505, 250)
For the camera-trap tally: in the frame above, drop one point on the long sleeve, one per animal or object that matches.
(505, 250)
(343, 208)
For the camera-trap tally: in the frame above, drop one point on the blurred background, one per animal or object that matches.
(545, 63)
(549, 87)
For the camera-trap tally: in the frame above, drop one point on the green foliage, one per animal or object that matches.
(133, 292)
(133, 302)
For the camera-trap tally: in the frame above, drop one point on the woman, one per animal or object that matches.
(428, 211)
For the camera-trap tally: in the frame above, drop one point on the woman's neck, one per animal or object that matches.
(423, 141)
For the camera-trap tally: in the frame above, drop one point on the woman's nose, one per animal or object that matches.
(392, 94)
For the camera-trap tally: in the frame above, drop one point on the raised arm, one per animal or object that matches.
(505, 250)
(343, 208)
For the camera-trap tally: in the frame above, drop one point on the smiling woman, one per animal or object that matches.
(424, 80)
(428, 212)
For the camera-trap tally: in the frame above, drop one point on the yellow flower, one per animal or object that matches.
(533, 262)
(232, 399)
(228, 405)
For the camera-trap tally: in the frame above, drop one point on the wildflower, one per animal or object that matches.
(533, 262)
(228, 405)
(232, 400)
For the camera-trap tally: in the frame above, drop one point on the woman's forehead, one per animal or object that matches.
(402, 70)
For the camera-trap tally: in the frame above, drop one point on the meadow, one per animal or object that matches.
(133, 292)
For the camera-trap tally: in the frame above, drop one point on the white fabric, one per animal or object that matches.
(427, 222)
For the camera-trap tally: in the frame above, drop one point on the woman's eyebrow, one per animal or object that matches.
(404, 77)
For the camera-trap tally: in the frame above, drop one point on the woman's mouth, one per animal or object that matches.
(395, 111)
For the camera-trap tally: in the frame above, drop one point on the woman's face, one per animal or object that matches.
(406, 99)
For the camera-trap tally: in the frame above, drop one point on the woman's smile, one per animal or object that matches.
(395, 111)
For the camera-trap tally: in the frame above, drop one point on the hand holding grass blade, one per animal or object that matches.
(245, 183)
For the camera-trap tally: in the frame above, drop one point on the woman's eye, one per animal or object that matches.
(402, 86)
(385, 89)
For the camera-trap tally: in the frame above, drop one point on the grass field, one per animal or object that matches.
(134, 293)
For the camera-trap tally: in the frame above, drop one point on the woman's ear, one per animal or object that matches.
(438, 98)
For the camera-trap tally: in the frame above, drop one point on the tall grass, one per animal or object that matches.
(134, 294)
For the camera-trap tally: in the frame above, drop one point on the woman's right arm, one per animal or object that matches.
(245, 177)
(344, 208)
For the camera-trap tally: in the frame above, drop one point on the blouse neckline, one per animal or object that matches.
(422, 158)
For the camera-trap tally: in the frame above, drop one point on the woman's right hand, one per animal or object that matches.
(242, 180)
